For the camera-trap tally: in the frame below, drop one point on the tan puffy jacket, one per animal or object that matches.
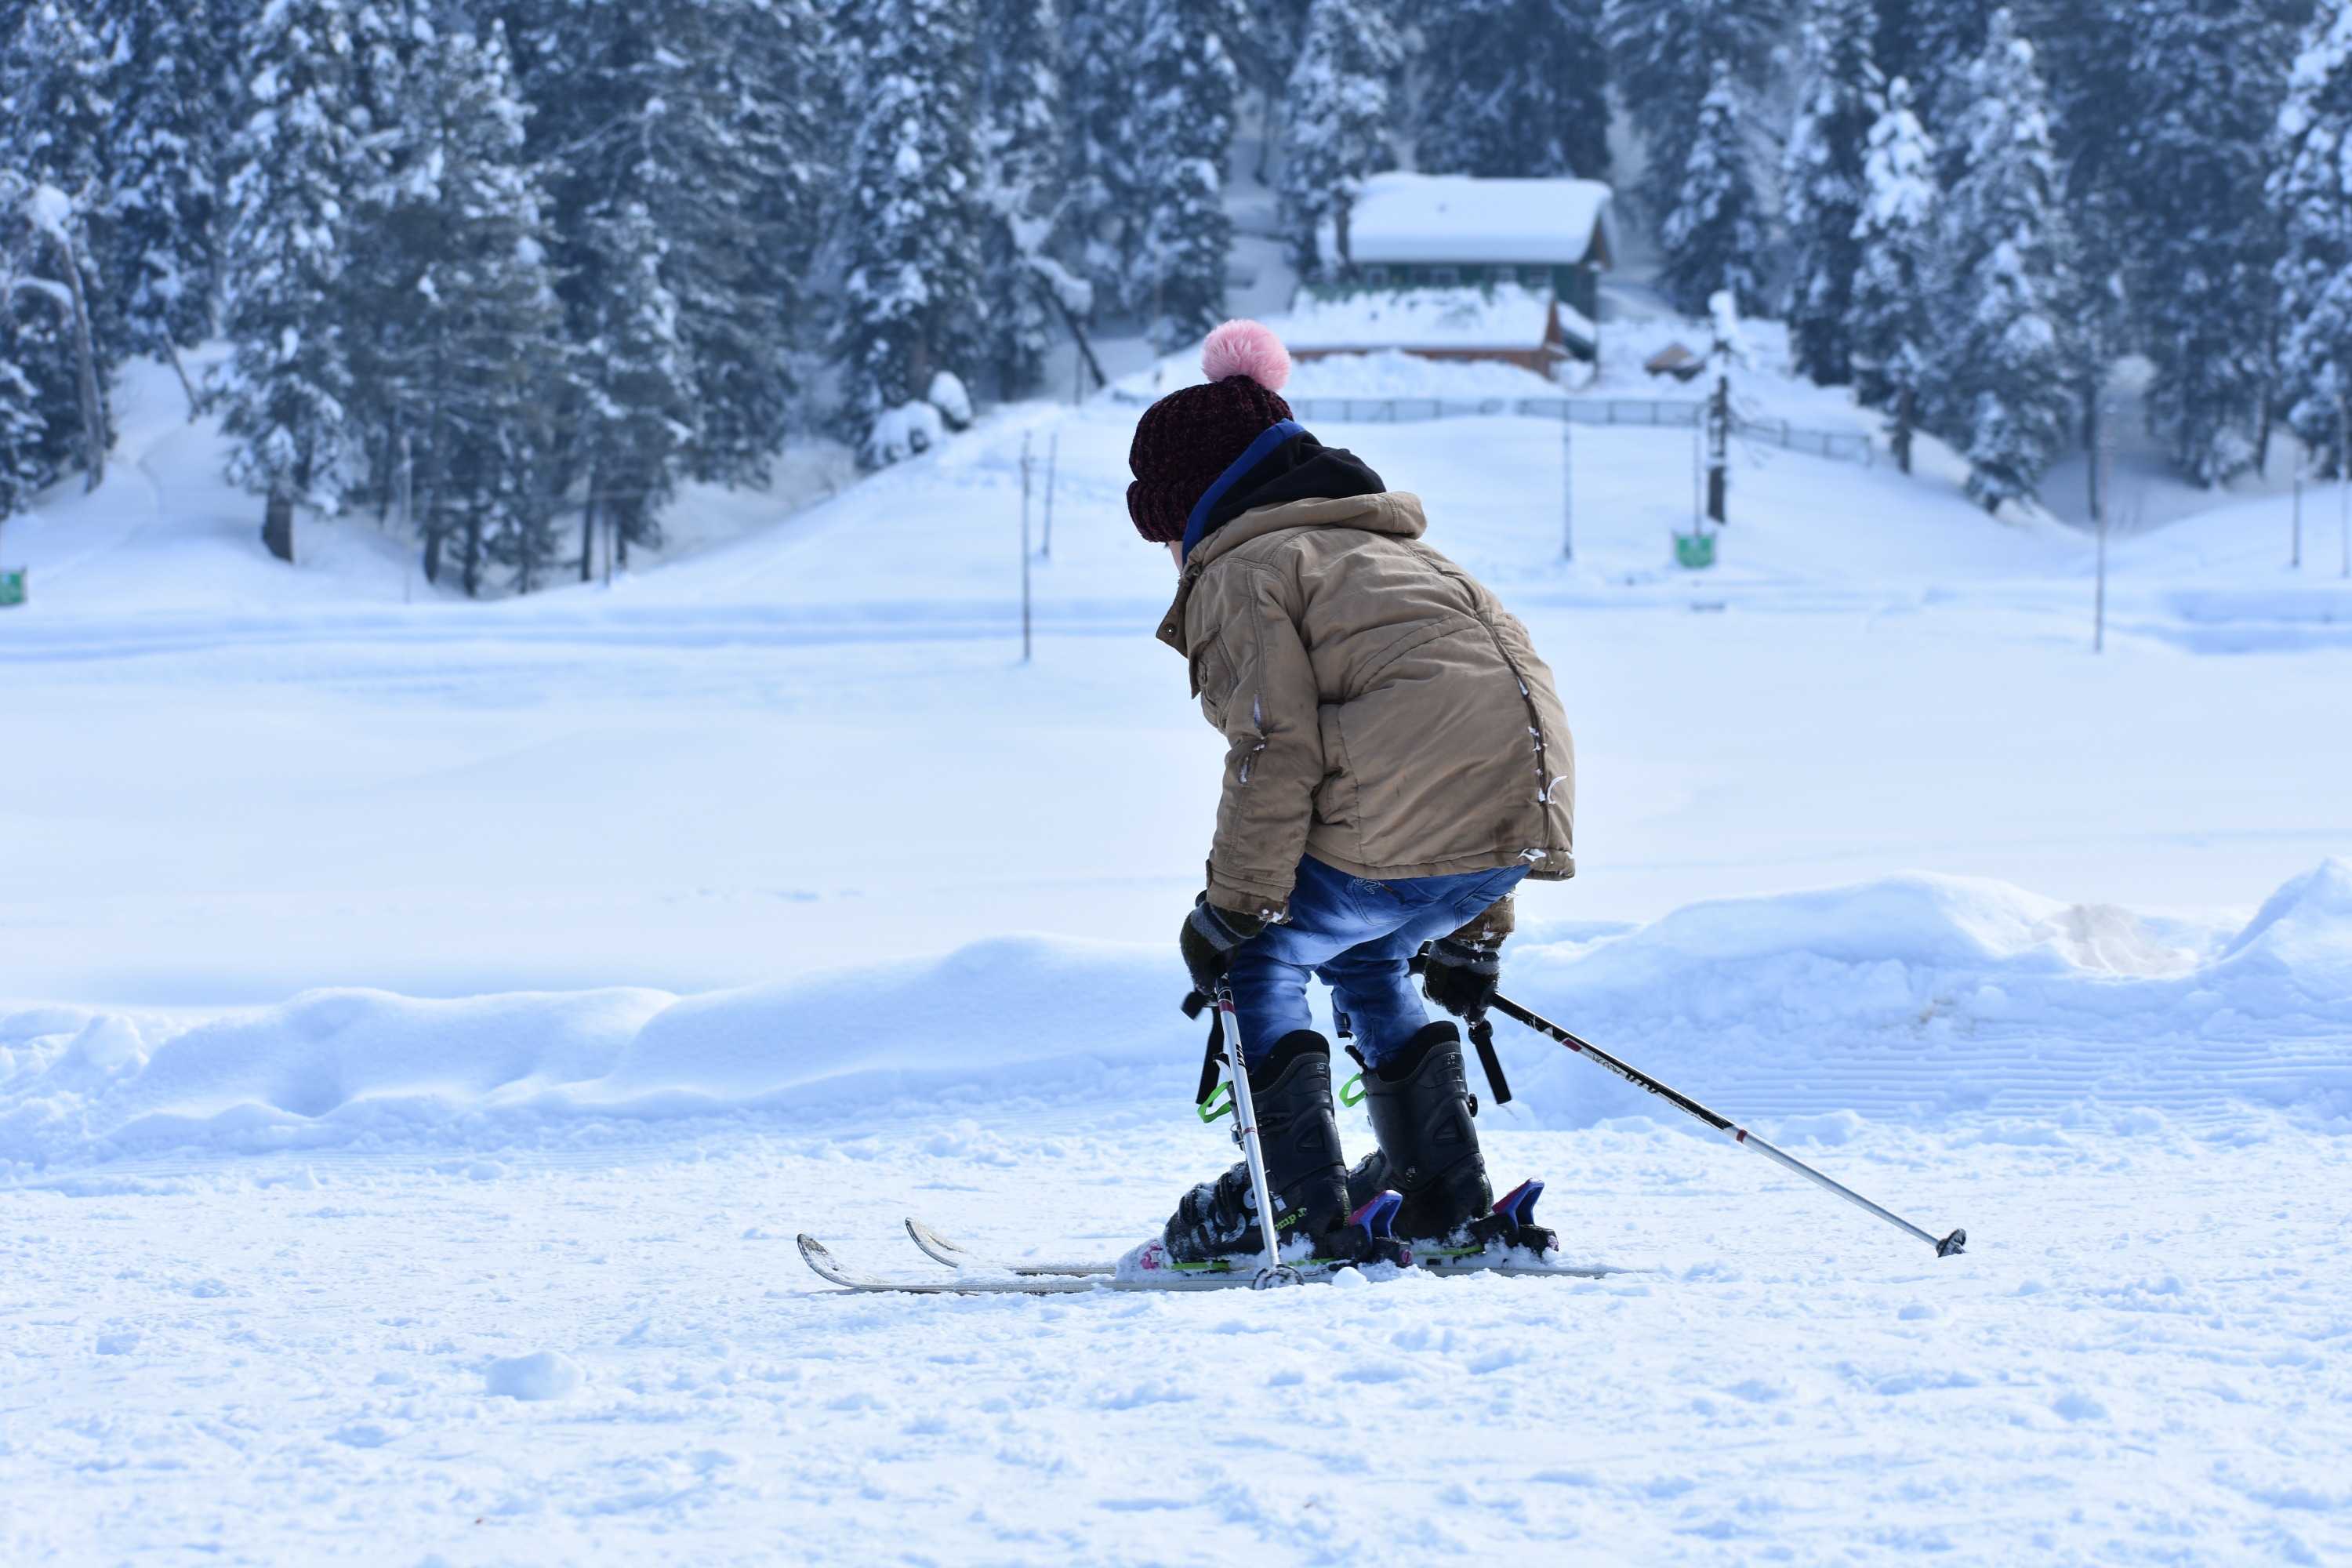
(1385, 712)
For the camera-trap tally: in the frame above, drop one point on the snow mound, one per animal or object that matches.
(542, 1374)
(1012, 1016)
(1921, 997)
(1911, 998)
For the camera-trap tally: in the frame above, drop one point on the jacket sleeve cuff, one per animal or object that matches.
(1259, 899)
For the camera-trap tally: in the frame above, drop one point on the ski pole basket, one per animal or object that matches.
(12, 585)
(1694, 551)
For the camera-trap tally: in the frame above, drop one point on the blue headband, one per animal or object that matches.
(1273, 436)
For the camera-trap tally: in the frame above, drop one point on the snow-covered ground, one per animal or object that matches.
(396, 991)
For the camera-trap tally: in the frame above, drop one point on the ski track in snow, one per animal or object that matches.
(600, 904)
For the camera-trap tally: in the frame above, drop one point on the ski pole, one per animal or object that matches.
(1956, 1242)
(1275, 1271)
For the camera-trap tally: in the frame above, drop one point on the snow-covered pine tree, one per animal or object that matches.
(21, 470)
(54, 109)
(1930, 43)
(2005, 372)
(1824, 186)
(295, 164)
(683, 135)
(1713, 234)
(1890, 332)
(2086, 52)
(1023, 156)
(1334, 120)
(2201, 236)
(757, 163)
(1663, 55)
(1103, 196)
(637, 419)
(913, 217)
(1265, 52)
(28, 458)
(1512, 88)
(453, 323)
(63, 329)
(168, 110)
(2312, 187)
(1181, 129)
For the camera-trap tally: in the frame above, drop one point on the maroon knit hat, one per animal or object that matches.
(1191, 435)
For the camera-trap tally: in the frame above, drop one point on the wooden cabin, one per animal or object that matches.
(1454, 267)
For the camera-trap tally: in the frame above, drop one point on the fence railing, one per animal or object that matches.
(1679, 414)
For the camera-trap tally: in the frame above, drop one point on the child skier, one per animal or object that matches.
(1397, 762)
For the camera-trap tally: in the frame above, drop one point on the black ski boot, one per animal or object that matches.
(1304, 1171)
(1420, 1107)
(1422, 1111)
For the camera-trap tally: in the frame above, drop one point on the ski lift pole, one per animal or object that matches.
(1566, 485)
(1274, 1271)
(1053, 453)
(1025, 548)
(1946, 1247)
(2343, 477)
(2104, 460)
(2295, 528)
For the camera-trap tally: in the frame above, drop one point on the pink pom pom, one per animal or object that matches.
(1246, 348)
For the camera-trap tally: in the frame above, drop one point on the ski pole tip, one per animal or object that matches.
(1953, 1245)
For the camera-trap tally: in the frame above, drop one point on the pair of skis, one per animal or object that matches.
(979, 1274)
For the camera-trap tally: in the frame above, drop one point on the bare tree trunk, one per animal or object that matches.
(195, 398)
(278, 525)
(588, 530)
(93, 407)
(436, 475)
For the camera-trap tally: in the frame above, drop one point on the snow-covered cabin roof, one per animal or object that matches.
(1505, 317)
(1399, 218)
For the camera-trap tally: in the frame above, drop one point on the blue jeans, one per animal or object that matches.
(1358, 937)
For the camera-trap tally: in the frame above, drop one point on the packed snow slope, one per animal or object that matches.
(817, 743)
(425, 1025)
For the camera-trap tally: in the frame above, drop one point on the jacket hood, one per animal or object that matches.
(1395, 512)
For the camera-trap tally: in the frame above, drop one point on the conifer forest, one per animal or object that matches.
(514, 270)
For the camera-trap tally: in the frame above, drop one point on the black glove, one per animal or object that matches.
(1461, 976)
(1208, 941)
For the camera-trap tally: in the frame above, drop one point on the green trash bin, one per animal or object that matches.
(1695, 551)
(12, 585)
